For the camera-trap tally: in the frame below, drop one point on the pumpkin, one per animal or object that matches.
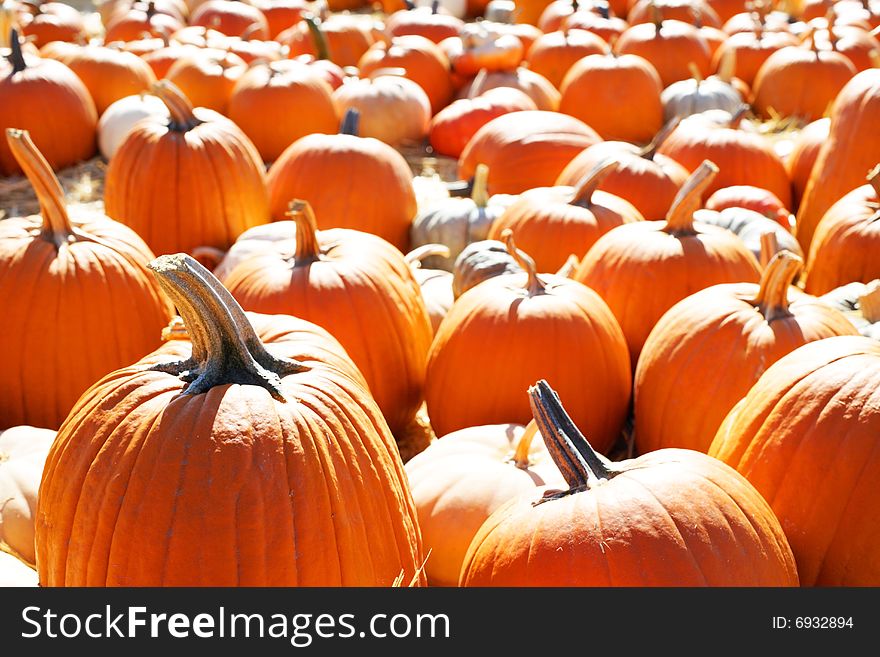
(456, 222)
(350, 272)
(231, 18)
(802, 157)
(50, 21)
(478, 48)
(424, 63)
(518, 311)
(276, 103)
(46, 98)
(68, 276)
(602, 24)
(844, 246)
(163, 59)
(818, 400)
(597, 86)
(695, 12)
(608, 526)
(341, 38)
(206, 171)
(624, 265)
(553, 54)
(109, 74)
(454, 126)
(727, 9)
(392, 109)
(23, 452)
(120, 117)
(434, 23)
(141, 18)
(428, 185)
(460, 479)
(751, 227)
(435, 284)
(253, 50)
(717, 330)
(749, 197)
(525, 149)
(750, 50)
(695, 95)
(670, 46)
(744, 158)
(846, 155)
(860, 302)
(534, 85)
(276, 236)
(800, 82)
(265, 417)
(525, 32)
(14, 573)
(480, 261)
(281, 14)
(551, 222)
(368, 164)
(644, 177)
(208, 77)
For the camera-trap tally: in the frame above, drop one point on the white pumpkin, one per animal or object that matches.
(457, 8)
(481, 261)
(436, 284)
(23, 452)
(14, 573)
(694, 96)
(457, 222)
(392, 109)
(429, 186)
(120, 117)
(860, 302)
(749, 226)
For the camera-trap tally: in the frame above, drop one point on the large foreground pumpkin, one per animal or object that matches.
(78, 299)
(253, 456)
(806, 437)
(358, 287)
(670, 518)
(505, 331)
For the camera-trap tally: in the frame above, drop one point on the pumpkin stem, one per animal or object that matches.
(583, 191)
(415, 257)
(695, 73)
(874, 179)
(226, 349)
(534, 286)
(409, 4)
(477, 83)
(772, 299)
(769, 248)
(56, 224)
(524, 446)
(680, 218)
(656, 17)
(569, 267)
(580, 465)
(181, 110)
(435, 6)
(322, 48)
(308, 248)
(727, 66)
(16, 57)
(869, 302)
(480, 187)
(651, 149)
(389, 71)
(603, 9)
(350, 122)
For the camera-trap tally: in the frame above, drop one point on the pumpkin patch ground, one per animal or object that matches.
(452, 294)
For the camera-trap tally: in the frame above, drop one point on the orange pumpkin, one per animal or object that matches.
(207, 77)
(281, 14)
(751, 50)
(552, 222)
(534, 85)
(344, 280)
(45, 22)
(587, 356)
(625, 264)
(816, 403)
(749, 197)
(257, 439)
(305, 167)
(525, 149)
(644, 177)
(196, 181)
(602, 24)
(46, 98)
(553, 54)
(429, 22)
(231, 18)
(717, 330)
(669, 518)
(83, 301)
(478, 48)
(341, 38)
(695, 12)
(802, 157)
(142, 18)
(597, 86)
(844, 246)
(276, 103)
(670, 46)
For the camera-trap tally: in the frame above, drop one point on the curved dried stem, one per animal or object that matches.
(583, 191)
(524, 446)
(182, 117)
(534, 286)
(869, 302)
(772, 298)
(680, 218)
(480, 187)
(651, 149)
(415, 257)
(308, 247)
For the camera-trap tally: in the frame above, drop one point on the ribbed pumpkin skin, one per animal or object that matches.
(751, 51)
(76, 313)
(525, 149)
(148, 487)
(178, 190)
(50, 102)
(848, 153)
(307, 168)
(846, 244)
(672, 518)
(641, 271)
(363, 292)
(806, 436)
(566, 335)
(716, 331)
(670, 49)
(800, 161)
(553, 54)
